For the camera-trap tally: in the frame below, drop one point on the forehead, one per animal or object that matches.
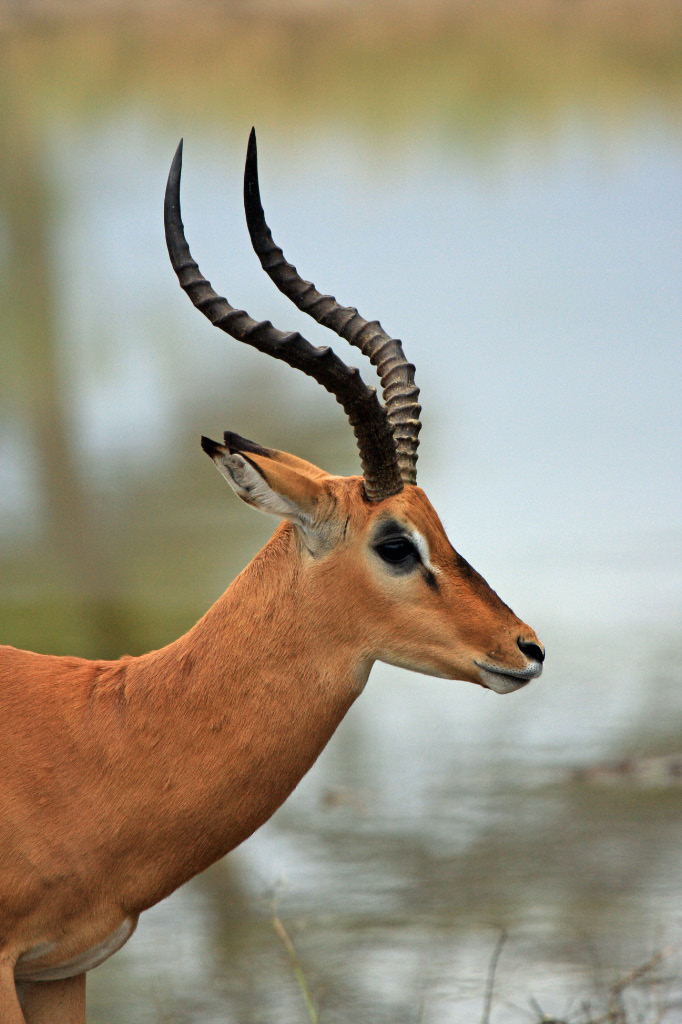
(410, 509)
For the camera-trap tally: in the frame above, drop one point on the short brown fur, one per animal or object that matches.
(121, 780)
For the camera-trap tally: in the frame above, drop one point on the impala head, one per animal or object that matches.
(375, 553)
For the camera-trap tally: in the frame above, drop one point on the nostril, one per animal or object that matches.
(531, 650)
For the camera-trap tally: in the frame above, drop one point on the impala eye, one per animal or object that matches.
(398, 551)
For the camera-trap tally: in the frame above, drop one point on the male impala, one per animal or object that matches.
(120, 780)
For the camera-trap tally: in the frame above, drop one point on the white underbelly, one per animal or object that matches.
(28, 967)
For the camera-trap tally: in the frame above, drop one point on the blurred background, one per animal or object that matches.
(499, 183)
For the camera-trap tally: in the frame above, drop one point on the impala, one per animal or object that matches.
(120, 780)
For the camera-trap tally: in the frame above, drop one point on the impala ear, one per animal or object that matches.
(260, 479)
(237, 443)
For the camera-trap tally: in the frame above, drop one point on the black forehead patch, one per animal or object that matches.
(475, 580)
(465, 570)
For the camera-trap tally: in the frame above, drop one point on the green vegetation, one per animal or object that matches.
(466, 70)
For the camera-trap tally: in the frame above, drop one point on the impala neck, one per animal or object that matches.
(229, 718)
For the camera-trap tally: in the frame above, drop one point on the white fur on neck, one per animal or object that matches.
(25, 971)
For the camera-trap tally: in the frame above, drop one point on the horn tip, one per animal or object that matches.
(175, 169)
(252, 201)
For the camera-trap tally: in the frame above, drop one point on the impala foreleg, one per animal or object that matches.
(50, 1002)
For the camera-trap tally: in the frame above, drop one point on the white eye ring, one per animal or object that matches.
(423, 549)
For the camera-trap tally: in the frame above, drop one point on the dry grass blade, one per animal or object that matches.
(617, 1012)
(288, 944)
(490, 982)
(638, 972)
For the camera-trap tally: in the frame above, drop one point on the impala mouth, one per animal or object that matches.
(506, 680)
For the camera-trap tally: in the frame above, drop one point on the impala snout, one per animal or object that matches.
(506, 679)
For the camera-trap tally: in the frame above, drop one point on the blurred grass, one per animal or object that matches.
(468, 69)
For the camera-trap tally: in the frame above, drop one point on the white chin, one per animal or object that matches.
(501, 683)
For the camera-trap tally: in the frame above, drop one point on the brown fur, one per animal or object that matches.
(121, 780)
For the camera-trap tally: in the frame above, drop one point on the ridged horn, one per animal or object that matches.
(360, 403)
(385, 353)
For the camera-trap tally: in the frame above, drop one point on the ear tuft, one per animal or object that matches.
(237, 443)
(212, 448)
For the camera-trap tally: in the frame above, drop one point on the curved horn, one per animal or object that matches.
(385, 353)
(360, 403)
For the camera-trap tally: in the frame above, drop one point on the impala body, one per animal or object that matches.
(120, 780)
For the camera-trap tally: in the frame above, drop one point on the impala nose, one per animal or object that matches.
(531, 650)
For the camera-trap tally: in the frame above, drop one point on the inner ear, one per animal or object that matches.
(267, 484)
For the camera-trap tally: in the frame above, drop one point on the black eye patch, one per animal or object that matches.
(397, 551)
(394, 548)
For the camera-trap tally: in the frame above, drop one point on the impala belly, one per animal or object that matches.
(31, 965)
